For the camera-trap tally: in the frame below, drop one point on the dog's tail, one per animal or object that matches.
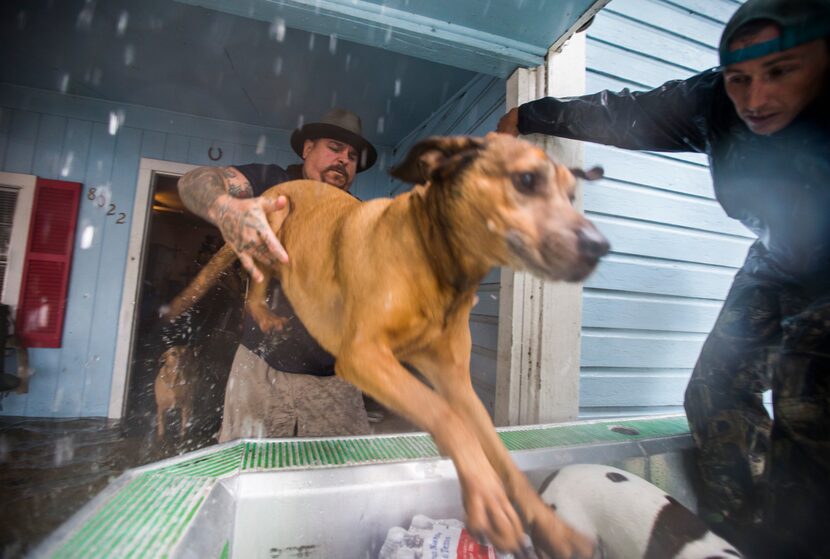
(201, 284)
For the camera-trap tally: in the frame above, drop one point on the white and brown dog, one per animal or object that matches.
(629, 518)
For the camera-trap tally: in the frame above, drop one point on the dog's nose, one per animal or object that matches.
(591, 242)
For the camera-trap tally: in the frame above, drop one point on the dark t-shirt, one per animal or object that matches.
(293, 350)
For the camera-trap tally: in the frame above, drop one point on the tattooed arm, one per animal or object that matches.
(224, 197)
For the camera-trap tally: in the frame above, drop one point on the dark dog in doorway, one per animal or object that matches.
(174, 387)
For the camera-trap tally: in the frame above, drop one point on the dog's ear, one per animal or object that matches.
(428, 155)
(592, 174)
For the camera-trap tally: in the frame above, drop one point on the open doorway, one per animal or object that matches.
(176, 245)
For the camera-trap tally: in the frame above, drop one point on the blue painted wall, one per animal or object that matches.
(649, 306)
(68, 137)
(475, 110)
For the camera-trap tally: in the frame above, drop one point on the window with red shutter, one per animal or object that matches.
(48, 260)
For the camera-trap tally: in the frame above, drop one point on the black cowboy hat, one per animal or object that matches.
(341, 125)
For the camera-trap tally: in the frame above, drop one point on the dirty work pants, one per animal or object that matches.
(767, 477)
(261, 402)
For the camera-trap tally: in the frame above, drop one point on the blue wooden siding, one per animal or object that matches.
(66, 137)
(475, 110)
(649, 306)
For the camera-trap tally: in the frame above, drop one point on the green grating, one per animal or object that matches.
(148, 516)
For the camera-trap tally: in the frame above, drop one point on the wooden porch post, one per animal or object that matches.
(537, 375)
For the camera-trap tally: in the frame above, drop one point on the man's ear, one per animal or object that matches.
(307, 145)
(429, 154)
(592, 174)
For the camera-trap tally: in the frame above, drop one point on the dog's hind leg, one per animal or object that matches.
(257, 306)
(371, 366)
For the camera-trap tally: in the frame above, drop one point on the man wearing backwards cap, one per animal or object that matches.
(283, 385)
(763, 118)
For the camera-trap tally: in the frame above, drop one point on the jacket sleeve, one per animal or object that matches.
(671, 117)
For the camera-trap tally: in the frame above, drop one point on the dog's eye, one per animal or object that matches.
(526, 183)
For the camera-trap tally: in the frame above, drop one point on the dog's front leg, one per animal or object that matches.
(372, 368)
(447, 367)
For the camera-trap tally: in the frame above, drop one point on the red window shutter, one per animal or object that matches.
(48, 260)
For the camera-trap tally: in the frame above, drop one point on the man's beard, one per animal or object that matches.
(340, 173)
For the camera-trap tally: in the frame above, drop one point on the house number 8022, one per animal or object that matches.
(100, 200)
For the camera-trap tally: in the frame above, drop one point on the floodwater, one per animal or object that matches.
(50, 468)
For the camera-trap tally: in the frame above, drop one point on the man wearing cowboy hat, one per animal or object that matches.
(282, 386)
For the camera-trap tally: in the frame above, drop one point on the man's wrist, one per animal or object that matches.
(220, 207)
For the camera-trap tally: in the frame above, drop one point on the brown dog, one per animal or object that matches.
(174, 387)
(387, 281)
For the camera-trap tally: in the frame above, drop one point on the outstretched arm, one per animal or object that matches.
(224, 197)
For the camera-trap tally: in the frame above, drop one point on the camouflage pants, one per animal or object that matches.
(768, 477)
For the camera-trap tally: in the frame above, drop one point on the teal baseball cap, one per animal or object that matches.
(800, 21)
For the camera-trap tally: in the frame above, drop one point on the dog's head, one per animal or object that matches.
(511, 200)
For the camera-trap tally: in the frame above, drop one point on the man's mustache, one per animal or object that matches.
(338, 168)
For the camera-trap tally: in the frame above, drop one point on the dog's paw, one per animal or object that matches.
(557, 540)
(272, 324)
(490, 516)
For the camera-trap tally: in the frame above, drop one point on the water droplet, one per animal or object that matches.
(278, 65)
(21, 19)
(84, 20)
(348, 61)
(63, 84)
(332, 44)
(123, 17)
(260, 145)
(87, 236)
(288, 98)
(116, 120)
(129, 55)
(300, 121)
(397, 87)
(311, 42)
(388, 37)
(277, 30)
(67, 164)
(380, 125)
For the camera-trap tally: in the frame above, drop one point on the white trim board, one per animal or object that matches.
(19, 236)
(126, 316)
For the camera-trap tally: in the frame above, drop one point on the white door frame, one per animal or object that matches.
(135, 257)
